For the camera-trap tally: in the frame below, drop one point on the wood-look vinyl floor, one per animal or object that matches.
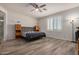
(44, 46)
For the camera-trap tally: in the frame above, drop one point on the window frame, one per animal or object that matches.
(54, 19)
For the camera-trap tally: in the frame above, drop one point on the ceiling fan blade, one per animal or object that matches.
(43, 5)
(34, 5)
(40, 10)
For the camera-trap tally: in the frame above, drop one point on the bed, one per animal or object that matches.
(29, 34)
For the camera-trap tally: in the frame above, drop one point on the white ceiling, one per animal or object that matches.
(52, 8)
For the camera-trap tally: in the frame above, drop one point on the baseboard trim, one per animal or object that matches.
(56, 38)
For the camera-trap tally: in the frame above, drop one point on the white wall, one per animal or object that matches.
(66, 32)
(12, 18)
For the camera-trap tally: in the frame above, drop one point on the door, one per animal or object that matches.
(1, 30)
(2, 15)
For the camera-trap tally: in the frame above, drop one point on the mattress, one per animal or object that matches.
(32, 34)
(24, 34)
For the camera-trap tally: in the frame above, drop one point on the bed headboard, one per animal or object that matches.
(26, 29)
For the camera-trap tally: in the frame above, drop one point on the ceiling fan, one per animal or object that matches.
(38, 8)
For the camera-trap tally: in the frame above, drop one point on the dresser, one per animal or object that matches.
(78, 46)
(18, 31)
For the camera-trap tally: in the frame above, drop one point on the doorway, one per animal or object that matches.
(2, 15)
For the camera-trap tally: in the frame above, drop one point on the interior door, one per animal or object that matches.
(1, 30)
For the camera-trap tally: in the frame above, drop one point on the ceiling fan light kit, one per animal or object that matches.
(36, 9)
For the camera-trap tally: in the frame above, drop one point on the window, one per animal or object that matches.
(54, 23)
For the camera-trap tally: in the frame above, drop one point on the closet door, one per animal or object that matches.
(1, 30)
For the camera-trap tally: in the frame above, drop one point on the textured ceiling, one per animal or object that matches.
(52, 8)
